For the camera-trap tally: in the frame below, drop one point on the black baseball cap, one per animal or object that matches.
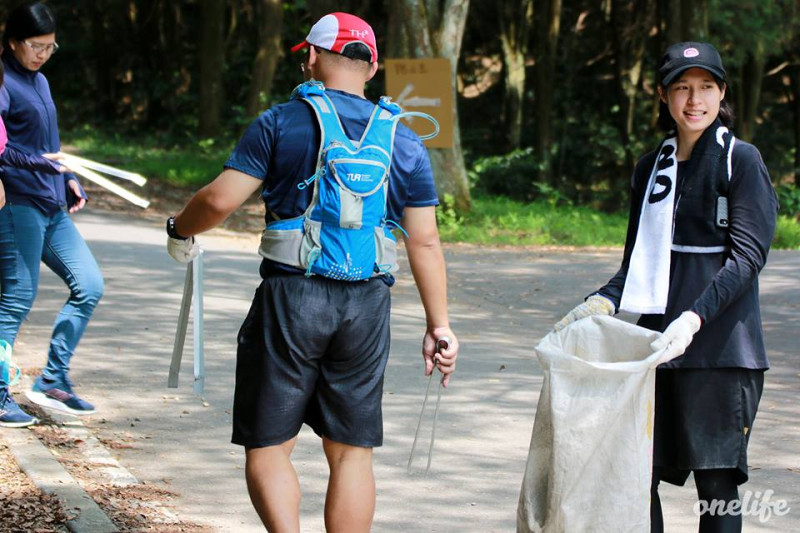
(682, 56)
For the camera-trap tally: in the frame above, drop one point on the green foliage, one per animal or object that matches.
(499, 220)
(787, 234)
(446, 217)
(502, 221)
(513, 175)
(509, 174)
(191, 164)
(789, 199)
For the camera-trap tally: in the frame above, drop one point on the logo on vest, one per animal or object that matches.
(358, 177)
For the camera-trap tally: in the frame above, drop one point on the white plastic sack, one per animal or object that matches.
(590, 461)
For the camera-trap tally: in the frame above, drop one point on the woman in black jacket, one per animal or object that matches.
(703, 214)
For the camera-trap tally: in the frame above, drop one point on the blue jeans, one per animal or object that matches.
(27, 237)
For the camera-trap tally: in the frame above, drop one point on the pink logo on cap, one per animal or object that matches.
(691, 52)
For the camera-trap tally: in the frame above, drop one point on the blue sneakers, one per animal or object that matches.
(58, 395)
(11, 416)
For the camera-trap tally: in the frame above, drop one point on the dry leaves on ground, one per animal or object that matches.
(135, 508)
(23, 507)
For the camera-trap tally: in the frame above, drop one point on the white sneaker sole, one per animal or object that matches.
(19, 424)
(40, 398)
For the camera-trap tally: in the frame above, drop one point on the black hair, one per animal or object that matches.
(345, 60)
(356, 50)
(667, 124)
(29, 20)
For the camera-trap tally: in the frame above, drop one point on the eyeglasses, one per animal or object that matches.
(38, 48)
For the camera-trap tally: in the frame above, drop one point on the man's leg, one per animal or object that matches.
(273, 486)
(350, 502)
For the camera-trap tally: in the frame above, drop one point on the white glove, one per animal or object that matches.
(182, 251)
(677, 337)
(594, 305)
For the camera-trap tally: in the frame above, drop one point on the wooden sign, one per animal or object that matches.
(423, 85)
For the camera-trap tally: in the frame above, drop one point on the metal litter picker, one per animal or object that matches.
(441, 344)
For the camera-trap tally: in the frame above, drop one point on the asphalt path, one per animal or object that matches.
(502, 301)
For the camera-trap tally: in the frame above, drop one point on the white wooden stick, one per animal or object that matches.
(69, 160)
(197, 325)
(110, 185)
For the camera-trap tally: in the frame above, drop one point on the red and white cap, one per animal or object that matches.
(336, 31)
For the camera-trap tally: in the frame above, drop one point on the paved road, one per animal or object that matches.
(502, 302)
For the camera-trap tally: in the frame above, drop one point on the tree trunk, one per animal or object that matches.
(319, 8)
(671, 17)
(749, 93)
(269, 22)
(515, 18)
(212, 59)
(795, 101)
(435, 29)
(630, 23)
(694, 20)
(104, 64)
(548, 26)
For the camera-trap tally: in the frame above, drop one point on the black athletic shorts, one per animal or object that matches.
(312, 350)
(703, 420)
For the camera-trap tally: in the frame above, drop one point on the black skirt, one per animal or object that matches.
(703, 420)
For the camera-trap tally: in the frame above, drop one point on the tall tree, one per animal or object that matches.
(516, 17)
(547, 26)
(694, 20)
(629, 25)
(792, 85)
(212, 61)
(319, 8)
(751, 76)
(683, 20)
(435, 28)
(269, 25)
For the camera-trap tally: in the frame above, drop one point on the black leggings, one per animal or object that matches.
(717, 484)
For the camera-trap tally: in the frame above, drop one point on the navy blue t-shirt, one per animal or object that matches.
(282, 145)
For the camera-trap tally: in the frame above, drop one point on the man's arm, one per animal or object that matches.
(212, 204)
(427, 265)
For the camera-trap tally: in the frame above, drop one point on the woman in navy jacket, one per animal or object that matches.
(703, 215)
(35, 224)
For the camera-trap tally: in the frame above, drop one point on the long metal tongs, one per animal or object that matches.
(441, 344)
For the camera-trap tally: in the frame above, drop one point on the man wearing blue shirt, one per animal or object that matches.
(313, 349)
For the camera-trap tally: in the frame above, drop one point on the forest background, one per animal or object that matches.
(555, 99)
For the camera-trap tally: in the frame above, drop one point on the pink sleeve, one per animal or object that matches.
(3, 136)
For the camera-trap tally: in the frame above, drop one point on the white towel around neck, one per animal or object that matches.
(647, 282)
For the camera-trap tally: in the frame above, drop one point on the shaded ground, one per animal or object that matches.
(502, 301)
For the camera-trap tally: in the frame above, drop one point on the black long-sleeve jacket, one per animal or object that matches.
(722, 288)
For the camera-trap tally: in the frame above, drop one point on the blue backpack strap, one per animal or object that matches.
(381, 127)
(330, 127)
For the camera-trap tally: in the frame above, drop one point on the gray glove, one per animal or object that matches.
(677, 337)
(594, 305)
(182, 250)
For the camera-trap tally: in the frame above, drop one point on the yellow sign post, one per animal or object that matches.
(423, 85)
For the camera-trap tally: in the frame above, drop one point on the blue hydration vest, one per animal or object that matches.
(342, 234)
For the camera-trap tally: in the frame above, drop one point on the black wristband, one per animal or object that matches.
(171, 230)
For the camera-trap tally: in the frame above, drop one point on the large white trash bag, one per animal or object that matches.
(590, 460)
